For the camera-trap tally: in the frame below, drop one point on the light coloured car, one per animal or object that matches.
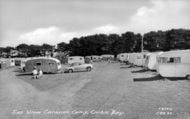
(74, 67)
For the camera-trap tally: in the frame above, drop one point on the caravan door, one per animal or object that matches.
(172, 64)
(52, 67)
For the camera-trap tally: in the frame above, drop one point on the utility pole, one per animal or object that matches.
(142, 40)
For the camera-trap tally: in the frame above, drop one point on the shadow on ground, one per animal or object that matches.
(158, 77)
(154, 78)
(176, 78)
(77, 72)
(24, 74)
(140, 71)
(127, 66)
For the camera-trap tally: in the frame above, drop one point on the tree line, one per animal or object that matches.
(99, 44)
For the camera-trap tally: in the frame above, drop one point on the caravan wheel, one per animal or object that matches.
(88, 69)
(188, 77)
(70, 70)
(23, 69)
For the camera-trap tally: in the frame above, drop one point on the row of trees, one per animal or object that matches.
(28, 50)
(130, 42)
(113, 43)
(167, 40)
(105, 44)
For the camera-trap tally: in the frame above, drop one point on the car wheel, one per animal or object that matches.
(88, 69)
(70, 70)
(188, 77)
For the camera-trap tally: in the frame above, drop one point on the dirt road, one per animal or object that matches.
(108, 92)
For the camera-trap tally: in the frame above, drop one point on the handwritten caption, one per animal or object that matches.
(111, 112)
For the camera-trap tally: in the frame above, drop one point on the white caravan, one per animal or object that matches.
(137, 59)
(151, 60)
(96, 58)
(75, 59)
(131, 57)
(107, 56)
(174, 64)
(8, 61)
(12, 62)
(122, 57)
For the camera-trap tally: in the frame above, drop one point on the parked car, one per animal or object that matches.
(78, 67)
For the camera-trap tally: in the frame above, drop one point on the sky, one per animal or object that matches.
(55, 21)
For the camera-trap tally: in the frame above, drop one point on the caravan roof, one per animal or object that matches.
(51, 58)
(107, 55)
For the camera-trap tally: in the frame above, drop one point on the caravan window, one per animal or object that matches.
(162, 60)
(177, 59)
(169, 60)
(174, 60)
(122, 55)
(70, 58)
(38, 64)
(51, 64)
(148, 57)
(80, 58)
(139, 57)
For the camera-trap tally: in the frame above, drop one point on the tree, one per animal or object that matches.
(47, 47)
(35, 50)
(8, 49)
(131, 41)
(23, 49)
(156, 41)
(62, 46)
(114, 45)
(178, 38)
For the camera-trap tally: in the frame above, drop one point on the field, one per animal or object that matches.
(110, 91)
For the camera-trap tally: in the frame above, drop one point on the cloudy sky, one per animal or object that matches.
(55, 21)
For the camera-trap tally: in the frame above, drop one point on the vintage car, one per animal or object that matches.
(78, 66)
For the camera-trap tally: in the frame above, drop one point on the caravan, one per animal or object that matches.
(174, 64)
(131, 58)
(96, 58)
(122, 57)
(47, 65)
(151, 60)
(12, 61)
(137, 59)
(75, 59)
(7, 62)
(107, 57)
